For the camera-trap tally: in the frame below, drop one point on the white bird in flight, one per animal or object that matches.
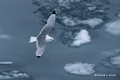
(43, 36)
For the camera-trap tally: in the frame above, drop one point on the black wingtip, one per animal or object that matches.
(38, 56)
(53, 12)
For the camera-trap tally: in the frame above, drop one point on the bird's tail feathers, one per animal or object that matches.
(33, 39)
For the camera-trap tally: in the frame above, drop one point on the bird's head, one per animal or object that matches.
(52, 39)
(48, 39)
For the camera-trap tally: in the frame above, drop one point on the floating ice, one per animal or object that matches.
(66, 2)
(68, 21)
(111, 52)
(80, 68)
(92, 22)
(14, 74)
(5, 62)
(81, 38)
(113, 27)
(115, 61)
(72, 13)
(118, 13)
(4, 36)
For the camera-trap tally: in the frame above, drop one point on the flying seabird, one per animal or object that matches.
(43, 36)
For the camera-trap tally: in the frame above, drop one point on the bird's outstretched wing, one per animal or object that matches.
(41, 42)
(41, 45)
(46, 29)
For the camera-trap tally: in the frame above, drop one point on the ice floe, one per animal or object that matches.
(13, 74)
(81, 38)
(113, 61)
(6, 62)
(113, 27)
(80, 68)
(4, 36)
(72, 13)
(92, 22)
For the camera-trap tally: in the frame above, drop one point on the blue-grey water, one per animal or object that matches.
(20, 19)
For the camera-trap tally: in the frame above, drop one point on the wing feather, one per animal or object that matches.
(46, 29)
(41, 38)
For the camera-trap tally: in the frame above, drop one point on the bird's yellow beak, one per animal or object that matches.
(54, 40)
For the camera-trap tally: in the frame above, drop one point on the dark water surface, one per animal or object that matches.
(20, 19)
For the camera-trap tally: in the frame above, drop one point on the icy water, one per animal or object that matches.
(87, 34)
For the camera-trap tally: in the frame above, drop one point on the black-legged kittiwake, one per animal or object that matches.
(43, 36)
